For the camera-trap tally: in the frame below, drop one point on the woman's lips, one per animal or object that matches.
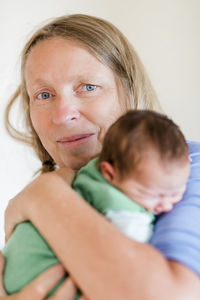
(74, 140)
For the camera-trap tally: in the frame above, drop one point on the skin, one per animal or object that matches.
(71, 94)
(100, 269)
(154, 185)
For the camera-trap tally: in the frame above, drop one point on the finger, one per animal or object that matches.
(82, 298)
(8, 229)
(8, 233)
(43, 284)
(2, 261)
(67, 291)
(8, 226)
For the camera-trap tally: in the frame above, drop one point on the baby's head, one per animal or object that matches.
(145, 155)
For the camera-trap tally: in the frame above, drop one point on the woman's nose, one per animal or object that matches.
(65, 113)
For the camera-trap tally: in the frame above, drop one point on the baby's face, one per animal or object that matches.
(155, 186)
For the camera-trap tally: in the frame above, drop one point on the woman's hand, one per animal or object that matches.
(18, 207)
(39, 288)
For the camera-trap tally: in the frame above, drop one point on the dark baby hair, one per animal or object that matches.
(137, 132)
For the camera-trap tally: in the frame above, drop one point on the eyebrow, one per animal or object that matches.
(36, 83)
(79, 77)
(39, 81)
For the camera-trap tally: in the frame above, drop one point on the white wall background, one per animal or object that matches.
(166, 34)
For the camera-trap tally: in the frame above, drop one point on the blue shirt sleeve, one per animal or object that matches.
(177, 233)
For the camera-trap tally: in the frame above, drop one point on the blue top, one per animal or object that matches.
(177, 233)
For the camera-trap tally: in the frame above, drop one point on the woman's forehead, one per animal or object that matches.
(63, 54)
(58, 45)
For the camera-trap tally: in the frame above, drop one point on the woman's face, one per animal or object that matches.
(73, 100)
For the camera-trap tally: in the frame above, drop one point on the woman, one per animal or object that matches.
(79, 74)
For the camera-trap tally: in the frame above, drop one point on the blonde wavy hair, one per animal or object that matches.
(110, 47)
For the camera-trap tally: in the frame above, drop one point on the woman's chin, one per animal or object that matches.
(76, 163)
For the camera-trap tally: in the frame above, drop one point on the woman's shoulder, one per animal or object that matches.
(193, 184)
(177, 233)
(194, 147)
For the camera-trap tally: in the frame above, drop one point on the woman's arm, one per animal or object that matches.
(103, 262)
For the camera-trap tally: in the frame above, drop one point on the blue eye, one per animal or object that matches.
(90, 87)
(44, 95)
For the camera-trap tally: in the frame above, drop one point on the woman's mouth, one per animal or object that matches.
(75, 140)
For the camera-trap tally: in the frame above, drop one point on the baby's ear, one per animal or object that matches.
(108, 171)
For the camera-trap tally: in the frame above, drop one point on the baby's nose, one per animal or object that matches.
(163, 206)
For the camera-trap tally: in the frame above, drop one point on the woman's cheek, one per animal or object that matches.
(103, 111)
(40, 121)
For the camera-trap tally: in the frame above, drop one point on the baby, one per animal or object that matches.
(145, 159)
(142, 170)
